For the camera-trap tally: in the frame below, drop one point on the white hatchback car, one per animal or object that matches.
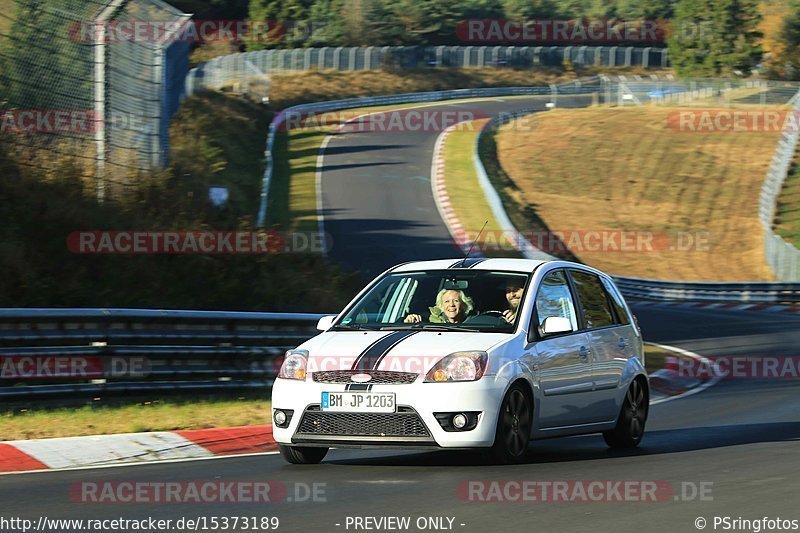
(468, 353)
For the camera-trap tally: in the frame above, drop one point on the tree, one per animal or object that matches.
(290, 17)
(788, 57)
(715, 37)
(526, 9)
(651, 9)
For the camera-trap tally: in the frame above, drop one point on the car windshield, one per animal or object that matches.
(443, 300)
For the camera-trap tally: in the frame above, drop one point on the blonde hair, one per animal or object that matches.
(466, 300)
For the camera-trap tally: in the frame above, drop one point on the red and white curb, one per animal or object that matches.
(669, 381)
(131, 448)
(440, 196)
(730, 306)
(448, 215)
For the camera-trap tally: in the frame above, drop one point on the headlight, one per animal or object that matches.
(459, 366)
(294, 365)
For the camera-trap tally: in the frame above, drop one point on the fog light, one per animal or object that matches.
(279, 418)
(459, 421)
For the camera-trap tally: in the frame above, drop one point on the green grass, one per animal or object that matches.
(625, 169)
(654, 357)
(787, 213)
(158, 415)
(6, 11)
(466, 194)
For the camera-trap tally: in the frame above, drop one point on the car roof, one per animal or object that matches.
(474, 263)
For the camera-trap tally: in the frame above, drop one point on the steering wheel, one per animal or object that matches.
(492, 312)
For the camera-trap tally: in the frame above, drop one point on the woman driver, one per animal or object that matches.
(452, 307)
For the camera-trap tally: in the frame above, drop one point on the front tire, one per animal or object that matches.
(513, 427)
(632, 418)
(302, 455)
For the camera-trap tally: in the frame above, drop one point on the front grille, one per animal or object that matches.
(379, 377)
(405, 423)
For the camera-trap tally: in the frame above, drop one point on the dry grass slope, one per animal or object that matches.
(624, 169)
(316, 86)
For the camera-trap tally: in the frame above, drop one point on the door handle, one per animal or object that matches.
(583, 353)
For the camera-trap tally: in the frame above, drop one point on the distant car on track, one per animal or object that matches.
(392, 370)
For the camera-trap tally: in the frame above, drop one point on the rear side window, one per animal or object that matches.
(593, 300)
(616, 302)
(554, 299)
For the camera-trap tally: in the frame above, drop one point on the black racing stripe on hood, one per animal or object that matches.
(370, 357)
(474, 261)
(469, 262)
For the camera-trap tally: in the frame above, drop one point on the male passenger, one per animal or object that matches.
(514, 289)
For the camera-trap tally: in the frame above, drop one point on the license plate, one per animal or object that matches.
(358, 402)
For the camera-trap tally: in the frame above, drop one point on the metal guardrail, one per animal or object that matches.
(657, 290)
(255, 67)
(85, 353)
(782, 257)
(55, 353)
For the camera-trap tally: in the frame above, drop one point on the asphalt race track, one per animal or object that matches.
(739, 438)
(376, 189)
(730, 450)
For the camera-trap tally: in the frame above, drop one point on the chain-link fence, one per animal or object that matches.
(782, 257)
(256, 66)
(90, 83)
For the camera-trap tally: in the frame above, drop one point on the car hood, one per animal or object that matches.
(400, 351)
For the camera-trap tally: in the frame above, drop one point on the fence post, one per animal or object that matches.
(100, 108)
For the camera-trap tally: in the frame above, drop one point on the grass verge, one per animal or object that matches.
(787, 212)
(654, 357)
(316, 86)
(614, 170)
(466, 194)
(156, 415)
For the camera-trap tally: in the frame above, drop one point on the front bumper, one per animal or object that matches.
(412, 425)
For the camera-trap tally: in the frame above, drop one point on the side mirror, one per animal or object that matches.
(325, 323)
(553, 325)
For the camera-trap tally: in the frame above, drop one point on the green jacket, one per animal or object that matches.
(437, 315)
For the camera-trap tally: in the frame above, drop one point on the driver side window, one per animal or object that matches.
(554, 299)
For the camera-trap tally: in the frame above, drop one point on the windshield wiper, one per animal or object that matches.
(354, 327)
(430, 327)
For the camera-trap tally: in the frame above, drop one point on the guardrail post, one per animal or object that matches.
(368, 58)
(337, 57)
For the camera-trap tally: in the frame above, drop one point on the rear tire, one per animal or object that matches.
(302, 455)
(632, 418)
(513, 427)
